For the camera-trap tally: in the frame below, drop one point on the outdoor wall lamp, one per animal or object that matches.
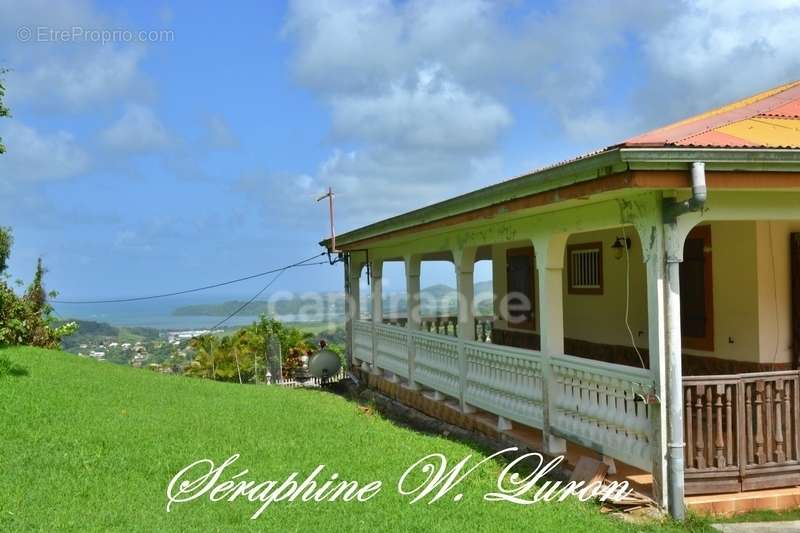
(619, 244)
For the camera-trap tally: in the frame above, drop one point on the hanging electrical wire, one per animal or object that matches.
(248, 302)
(628, 298)
(304, 262)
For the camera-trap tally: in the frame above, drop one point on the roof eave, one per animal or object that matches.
(615, 159)
(594, 166)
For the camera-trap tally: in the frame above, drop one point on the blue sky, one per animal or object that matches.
(142, 167)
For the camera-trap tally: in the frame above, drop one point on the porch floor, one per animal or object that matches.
(743, 502)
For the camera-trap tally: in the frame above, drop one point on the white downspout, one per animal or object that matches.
(674, 257)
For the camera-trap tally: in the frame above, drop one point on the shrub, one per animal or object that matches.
(27, 319)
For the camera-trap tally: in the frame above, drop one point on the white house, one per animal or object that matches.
(692, 231)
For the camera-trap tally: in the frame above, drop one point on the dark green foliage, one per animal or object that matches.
(35, 295)
(237, 357)
(6, 240)
(27, 320)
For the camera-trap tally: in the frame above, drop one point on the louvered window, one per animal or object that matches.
(585, 268)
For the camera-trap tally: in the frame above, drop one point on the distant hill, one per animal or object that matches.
(330, 303)
(90, 332)
(436, 298)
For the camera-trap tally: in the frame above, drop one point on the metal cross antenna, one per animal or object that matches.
(329, 195)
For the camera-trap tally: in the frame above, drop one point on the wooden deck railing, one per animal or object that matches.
(447, 325)
(742, 431)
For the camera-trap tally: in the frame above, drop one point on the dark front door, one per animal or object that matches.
(697, 301)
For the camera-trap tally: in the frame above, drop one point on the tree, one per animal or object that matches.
(36, 295)
(236, 357)
(4, 112)
(6, 240)
(204, 364)
(27, 320)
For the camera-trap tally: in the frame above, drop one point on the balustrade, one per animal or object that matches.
(741, 431)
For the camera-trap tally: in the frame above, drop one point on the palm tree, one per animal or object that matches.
(206, 348)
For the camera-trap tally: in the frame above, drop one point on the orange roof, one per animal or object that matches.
(767, 120)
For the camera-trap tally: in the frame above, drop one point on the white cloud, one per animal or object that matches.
(138, 130)
(369, 185)
(430, 112)
(713, 52)
(70, 76)
(72, 83)
(35, 156)
(368, 54)
(407, 96)
(379, 183)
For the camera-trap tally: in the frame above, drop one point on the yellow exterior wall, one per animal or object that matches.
(774, 290)
(733, 249)
(601, 317)
(740, 302)
(737, 294)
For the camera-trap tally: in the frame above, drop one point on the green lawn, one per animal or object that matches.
(90, 446)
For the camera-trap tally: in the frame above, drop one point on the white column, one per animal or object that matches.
(465, 266)
(651, 235)
(414, 322)
(352, 303)
(376, 287)
(355, 290)
(549, 250)
(413, 265)
(464, 260)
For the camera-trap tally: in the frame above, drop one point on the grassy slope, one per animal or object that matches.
(91, 446)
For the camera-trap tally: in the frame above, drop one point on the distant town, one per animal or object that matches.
(139, 352)
(166, 351)
(163, 350)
